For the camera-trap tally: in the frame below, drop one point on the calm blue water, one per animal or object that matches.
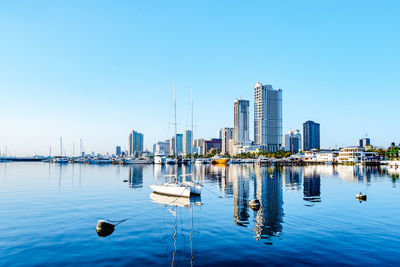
(309, 215)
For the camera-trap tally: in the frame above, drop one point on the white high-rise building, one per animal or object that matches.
(292, 141)
(187, 142)
(268, 117)
(226, 135)
(241, 121)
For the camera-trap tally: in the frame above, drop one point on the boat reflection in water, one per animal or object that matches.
(175, 202)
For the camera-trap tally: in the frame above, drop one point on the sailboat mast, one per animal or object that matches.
(176, 152)
(191, 112)
(60, 146)
(73, 149)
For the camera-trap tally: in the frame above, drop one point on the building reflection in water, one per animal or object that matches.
(241, 194)
(135, 178)
(311, 184)
(268, 189)
(292, 177)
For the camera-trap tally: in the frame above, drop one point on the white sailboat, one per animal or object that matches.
(61, 159)
(133, 160)
(172, 189)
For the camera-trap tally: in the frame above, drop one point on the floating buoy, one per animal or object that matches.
(254, 204)
(361, 196)
(104, 228)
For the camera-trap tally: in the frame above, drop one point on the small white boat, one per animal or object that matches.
(159, 158)
(236, 161)
(262, 160)
(136, 161)
(60, 160)
(198, 161)
(172, 189)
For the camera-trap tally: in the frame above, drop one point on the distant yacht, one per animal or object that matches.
(133, 160)
(159, 158)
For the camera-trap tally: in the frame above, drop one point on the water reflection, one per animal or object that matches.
(311, 185)
(241, 194)
(135, 178)
(268, 189)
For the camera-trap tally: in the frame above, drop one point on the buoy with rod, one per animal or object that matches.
(104, 228)
(254, 204)
(361, 196)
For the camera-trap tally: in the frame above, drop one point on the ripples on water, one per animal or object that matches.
(308, 215)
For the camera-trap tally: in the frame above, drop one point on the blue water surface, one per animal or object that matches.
(308, 216)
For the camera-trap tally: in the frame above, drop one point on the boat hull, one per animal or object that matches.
(195, 188)
(220, 161)
(171, 190)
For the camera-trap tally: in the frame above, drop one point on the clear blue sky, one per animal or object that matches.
(98, 69)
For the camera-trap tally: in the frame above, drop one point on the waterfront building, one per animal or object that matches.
(355, 154)
(187, 142)
(135, 143)
(162, 147)
(118, 151)
(364, 142)
(227, 134)
(220, 133)
(198, 146)
(311, 137)
(268, 117)
(210, 144)
(172, 146)
(327, 156)
(242, 149)
(241, 121)
(292, 141)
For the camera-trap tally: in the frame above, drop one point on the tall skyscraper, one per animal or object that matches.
(227, 134)
(292, 141)
(310, 135)
(241, 121)
(179, 144)
(268, 117)
(118, 151)
(187, 142)
(135, 144)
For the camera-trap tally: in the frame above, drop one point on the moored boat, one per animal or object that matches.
(172, 189)
(219, 160)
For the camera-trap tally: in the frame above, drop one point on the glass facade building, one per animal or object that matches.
(311, 139)
(268, 117)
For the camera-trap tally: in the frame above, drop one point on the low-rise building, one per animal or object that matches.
(327, 156)
(356, 154)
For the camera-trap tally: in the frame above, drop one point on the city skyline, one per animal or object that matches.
(95, 75)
